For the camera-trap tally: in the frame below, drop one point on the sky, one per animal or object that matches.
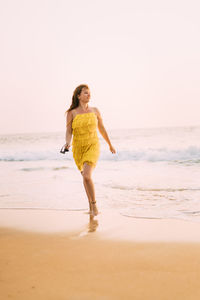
(141, 60)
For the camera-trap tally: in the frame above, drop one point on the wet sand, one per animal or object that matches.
(67, 255)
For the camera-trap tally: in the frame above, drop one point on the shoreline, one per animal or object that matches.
(108, 225)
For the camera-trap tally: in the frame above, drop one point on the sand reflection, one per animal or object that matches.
(93, 224)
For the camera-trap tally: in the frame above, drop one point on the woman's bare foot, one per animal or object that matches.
(94, 210)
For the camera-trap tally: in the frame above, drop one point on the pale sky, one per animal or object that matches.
(141, 60)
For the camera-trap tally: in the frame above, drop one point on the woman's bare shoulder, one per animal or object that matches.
(96, 110)
(72, 113)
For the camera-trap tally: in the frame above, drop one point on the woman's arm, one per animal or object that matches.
(103, 131)
(68, 135)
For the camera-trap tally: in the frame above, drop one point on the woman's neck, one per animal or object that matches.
(84, 107)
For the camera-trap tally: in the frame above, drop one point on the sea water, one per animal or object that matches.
(154, 174)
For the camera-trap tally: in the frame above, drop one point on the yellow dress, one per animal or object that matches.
(85, 143)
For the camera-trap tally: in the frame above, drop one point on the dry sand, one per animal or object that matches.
(65, 255)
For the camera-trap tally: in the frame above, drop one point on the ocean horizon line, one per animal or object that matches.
(108, 129)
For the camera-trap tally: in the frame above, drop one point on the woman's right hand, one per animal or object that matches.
(67, 146)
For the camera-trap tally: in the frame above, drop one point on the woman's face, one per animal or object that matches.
(84, 95)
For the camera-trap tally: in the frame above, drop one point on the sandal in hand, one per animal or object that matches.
(63, 149)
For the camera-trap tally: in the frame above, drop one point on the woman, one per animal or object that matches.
(82, 121)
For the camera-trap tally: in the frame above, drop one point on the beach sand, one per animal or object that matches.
(65, 255)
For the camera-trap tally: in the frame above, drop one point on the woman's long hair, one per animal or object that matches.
(75, 100)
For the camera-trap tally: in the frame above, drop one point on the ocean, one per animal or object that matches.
(154, 174)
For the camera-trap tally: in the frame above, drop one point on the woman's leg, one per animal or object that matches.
(89, 187)
(88, 195)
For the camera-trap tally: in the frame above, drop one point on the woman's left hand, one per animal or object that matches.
(112, 149)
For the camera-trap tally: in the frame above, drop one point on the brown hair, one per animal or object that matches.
(75, 100)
